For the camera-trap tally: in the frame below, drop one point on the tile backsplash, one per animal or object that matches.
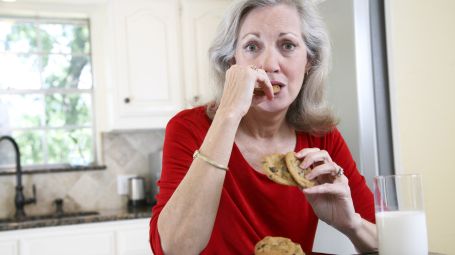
(124, 153)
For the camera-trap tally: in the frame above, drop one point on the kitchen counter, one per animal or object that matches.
(102, 216)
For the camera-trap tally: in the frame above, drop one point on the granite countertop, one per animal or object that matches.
(101, 216)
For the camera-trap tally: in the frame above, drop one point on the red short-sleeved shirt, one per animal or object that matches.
(251, 205)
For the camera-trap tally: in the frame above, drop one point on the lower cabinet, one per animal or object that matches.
(125, 237)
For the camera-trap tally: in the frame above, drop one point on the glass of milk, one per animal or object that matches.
(400, 215)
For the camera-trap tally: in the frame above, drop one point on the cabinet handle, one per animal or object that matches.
(126, 100)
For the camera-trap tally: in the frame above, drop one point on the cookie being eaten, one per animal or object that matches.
(260, 92)
(271, 245)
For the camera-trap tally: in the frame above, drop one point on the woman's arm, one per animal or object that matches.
(186, 221)
(332, 199)
(363, 235)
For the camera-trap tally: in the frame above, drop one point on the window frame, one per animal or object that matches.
(95, 13)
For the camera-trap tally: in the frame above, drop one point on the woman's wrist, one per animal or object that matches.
(229, 115)
(354, 226)
(362, 234)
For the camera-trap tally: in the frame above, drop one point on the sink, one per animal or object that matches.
(54, 216)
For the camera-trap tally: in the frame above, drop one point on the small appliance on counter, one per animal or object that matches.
(136, 192)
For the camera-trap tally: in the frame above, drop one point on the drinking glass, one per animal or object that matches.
(400, 215)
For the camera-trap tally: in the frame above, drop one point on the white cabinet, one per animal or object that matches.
(145, 72)
(130, 241)
(159, 58)
(8, 247)
(127, 237)
(200, 19)
(70, 241)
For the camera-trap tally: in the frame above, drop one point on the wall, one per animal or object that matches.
(421, 39)
(124, 153)
(349, 90)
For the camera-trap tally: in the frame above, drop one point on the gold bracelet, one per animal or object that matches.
(198, 154)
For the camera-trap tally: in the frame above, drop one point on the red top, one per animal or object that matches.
(252, 206)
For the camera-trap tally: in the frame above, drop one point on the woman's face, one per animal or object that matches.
(270, 38)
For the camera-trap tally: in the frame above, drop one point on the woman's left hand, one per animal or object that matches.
(331, 199)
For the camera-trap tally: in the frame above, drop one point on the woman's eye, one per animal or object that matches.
(288, 46)
(251, 47)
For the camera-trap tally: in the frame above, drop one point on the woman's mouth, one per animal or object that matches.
(276, 87)
(277, 83)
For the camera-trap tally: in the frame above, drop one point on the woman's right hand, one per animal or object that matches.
(239, 86)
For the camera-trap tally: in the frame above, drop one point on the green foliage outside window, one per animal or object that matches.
(46, 90)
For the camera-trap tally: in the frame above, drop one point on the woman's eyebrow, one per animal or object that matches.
(287, 33)
(251, 34)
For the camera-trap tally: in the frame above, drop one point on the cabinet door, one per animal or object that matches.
(134, 239)
(69, 243)
(200, 19)
(8, 247)
(147, 86)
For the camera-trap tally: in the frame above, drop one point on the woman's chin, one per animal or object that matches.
(272, 106)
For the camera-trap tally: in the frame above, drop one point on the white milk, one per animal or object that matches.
(402, 233)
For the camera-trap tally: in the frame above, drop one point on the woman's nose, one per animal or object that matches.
(270, 61)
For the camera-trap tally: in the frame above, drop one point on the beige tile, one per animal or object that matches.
(124, 153)
(85, 192)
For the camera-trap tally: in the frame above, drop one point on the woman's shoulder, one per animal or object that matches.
(333, 133)
(193, 114)
(191, 118)
(320, 140)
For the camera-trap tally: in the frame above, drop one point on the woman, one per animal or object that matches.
(220, 202)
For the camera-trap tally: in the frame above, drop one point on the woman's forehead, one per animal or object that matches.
(279, 19)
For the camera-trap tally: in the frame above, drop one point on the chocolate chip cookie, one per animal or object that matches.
(293, 166)
(277, 246)
(275, 168)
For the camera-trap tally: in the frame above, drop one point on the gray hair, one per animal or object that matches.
(309, 111)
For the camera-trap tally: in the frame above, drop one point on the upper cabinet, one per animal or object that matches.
(146, 75)
(200, 21)
(159, 58)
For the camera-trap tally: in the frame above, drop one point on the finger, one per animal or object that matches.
(317, 156)
(264, 83)
(326, 188)
(306, 151)
(339, 187)
(328, 168)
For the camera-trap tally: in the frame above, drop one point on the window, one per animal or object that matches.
(46, 91)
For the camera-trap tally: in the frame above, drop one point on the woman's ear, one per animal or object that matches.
(307, 69)
(308, 65)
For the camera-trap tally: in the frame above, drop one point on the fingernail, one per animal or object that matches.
(304, 164)
(309, 176)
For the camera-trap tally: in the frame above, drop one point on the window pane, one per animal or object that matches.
(31, 146)
(17, 36)
(65, 38)
(46, 89)
(68, 109)
(21, 111)
(7, 156)
(19, 71)
(70, 146)
(65, 71)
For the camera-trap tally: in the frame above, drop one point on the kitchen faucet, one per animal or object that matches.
(20, 200)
